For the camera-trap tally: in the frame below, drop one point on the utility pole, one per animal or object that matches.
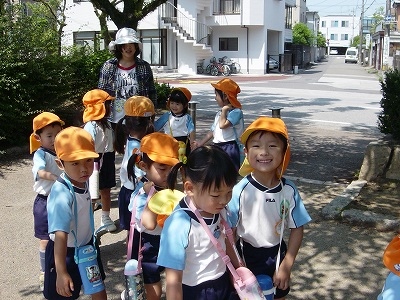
(386, 44)
(360, 56)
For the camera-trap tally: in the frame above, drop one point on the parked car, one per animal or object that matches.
(273, 63)
(333, 51)
(351, 55)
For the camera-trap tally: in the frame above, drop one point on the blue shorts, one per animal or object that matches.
(107, 171)
(232, 149)
(263, 261)
(50, 274)
(40, 217)
(124, 198)
(150, 245)
(218, 289)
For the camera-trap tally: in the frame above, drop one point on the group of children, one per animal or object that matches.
(155, 153)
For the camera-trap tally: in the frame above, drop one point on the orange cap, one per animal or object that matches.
(94, 105)
(269, 124)
(231, 89)
(74, 143)
(139, 106)
(161, 148)
(39, 122)
(391, 256)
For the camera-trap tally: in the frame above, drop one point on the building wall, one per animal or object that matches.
(328, 30)
(260, 29)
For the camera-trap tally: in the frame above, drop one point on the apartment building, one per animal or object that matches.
(339, 31)
(182, 33)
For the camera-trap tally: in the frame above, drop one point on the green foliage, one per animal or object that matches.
(377, 17)
(389, 117)
(321, 41)
(302, 35)
(163, 92)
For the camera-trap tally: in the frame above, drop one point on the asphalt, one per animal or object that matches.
(338, 259)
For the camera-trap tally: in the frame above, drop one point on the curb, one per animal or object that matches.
(336, 209)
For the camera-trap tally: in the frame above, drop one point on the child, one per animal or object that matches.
(192, 264)
(228, 123)
(45, 172)
(157, 155)
(138, 119)
(177, 122)
(69, 215)
(262, 199)
(97, 110)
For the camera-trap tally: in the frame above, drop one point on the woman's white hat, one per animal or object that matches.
(124, 36)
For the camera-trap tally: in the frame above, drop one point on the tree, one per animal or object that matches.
(302, 35)
(56, 15)
(133, 10)
(321, 41)
(377, 17)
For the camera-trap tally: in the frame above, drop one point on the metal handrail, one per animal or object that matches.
(191, 28)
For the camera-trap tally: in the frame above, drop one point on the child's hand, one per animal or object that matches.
(64, 284)
(194, 145)
(226, 108)
(147, 186)
(282, 279)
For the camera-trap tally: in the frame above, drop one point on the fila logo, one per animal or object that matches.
(270, 200)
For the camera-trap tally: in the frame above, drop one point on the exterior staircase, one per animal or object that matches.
(188, 29)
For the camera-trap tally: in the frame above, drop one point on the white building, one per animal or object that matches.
(180, 34)
(339, 30)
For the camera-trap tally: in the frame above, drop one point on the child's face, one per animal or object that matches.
(221, 102)
(264, 152)
(176, 107)
(210, 201)
(47, 136)
(157, 173)
(78, 171)
(128, 50)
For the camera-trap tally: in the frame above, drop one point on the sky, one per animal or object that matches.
(345, 7)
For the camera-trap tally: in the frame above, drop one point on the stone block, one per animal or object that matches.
(393, 171)
(375, 161)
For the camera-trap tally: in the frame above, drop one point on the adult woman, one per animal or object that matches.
(126, 75)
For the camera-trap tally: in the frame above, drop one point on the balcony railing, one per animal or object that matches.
(190, 28)
(226, 7)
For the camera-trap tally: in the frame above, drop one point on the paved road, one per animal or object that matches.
(330, 124)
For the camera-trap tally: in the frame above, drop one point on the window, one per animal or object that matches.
(334, 23)
(154, 46)
(228, 44)
(344, 37)
(224, 7)
(288, 17)
(334, 37)
(345, 23)
(89, 38)
(323, 23)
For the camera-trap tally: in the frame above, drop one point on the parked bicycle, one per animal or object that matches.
(215, 68)
(234, 66)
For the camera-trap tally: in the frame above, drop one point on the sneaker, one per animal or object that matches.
(108, 224)
(41, 281)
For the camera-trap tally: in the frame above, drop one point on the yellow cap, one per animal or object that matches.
(94, 104)
(74, 143)
(139, 106)
(163, 203)
(269, 124)
(161, 148)
(39, 122)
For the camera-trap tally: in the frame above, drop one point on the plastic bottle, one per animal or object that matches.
(94, 182)
(266, 285)
(89, 270)
(134, 284)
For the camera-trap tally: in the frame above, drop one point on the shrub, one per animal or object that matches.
(389, 118)
(163, 91)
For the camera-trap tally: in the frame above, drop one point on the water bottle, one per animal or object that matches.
(94, 182)
(89, 270)
(134, 284)
(266, 285)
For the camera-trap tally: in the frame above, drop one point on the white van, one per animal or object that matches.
(351, 55)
